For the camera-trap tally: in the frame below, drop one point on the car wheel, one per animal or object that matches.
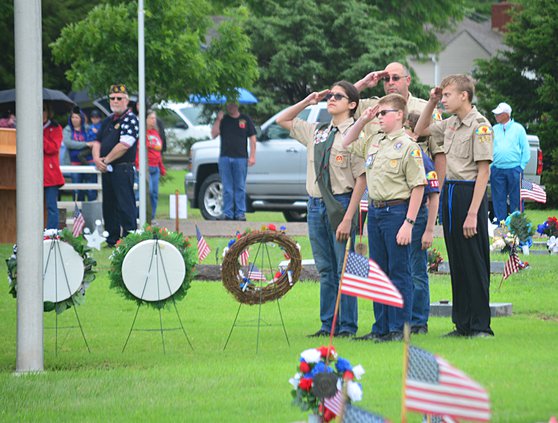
(295, 216)
(210, 198)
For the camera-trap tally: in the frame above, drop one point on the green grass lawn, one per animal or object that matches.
(518, 366)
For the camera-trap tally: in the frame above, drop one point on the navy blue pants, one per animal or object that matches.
(119, 203)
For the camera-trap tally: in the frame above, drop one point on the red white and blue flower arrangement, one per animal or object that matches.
(321, 373)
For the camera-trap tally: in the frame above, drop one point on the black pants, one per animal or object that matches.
(119, 203)
(469, 259)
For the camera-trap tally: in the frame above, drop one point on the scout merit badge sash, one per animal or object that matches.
(322, 153)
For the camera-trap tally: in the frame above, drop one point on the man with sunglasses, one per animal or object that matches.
(114, 154)
(396, 79)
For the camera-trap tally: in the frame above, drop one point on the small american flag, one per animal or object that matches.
(433, 386)
(365, 279)
(512, 265)
(363, 206)
(355, 414)
(244, 256)
(79, 222)
(439, 419)
(531, 191)
(203, 248)
(335, 403)
(255, 274)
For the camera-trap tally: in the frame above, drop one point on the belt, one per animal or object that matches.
(389, 203)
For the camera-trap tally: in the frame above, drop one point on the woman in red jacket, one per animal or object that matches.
(52, 177)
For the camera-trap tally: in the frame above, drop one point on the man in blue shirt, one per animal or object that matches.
(511, 155)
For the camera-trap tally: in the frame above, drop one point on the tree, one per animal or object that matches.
(101, 49)
(526, 76)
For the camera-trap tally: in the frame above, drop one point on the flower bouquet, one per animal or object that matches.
(549, 227)
(322, 374)
(503, 240)
(520, 226)
(434, 259)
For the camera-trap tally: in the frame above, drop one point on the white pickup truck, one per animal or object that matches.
(277, 181)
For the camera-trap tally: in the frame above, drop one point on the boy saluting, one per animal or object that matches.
(467, 138)
(395, 178)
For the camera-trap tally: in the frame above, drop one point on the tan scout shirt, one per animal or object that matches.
(414, 105)
(394, 165)
(465, 143)
(344, 167)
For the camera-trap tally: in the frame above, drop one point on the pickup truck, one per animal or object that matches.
(277, 182)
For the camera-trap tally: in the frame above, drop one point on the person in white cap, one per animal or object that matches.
(511, 155)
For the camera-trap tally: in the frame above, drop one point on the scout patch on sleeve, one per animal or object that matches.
(484, 133)
(432, 178)
(416, 153)
(437, 116)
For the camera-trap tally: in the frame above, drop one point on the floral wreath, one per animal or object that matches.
(79, 245)
(322, 374)
(124, 245)
(242, 287)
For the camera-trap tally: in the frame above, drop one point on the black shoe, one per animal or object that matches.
(240, 218)
(419, 330)
(318, 334)
(479, 334)
(110, 245)
(454, 334)
(368, 337)
(344, 335)
(392, 336)
(224, 218)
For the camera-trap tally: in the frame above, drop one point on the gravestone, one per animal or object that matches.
(443, 309)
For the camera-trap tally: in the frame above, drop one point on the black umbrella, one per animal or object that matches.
(58, 101)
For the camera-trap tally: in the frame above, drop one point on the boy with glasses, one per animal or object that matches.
(467, 138)
(395, 178)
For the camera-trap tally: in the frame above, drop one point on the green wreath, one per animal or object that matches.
(79, 244)
(124, 245)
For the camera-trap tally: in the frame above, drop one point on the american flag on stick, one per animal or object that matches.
(79, 222)
(349, 412)
(255, 274)
(363, 205)
(532, 191)
(512, 265)
(244, 256)
(203, 248)
(433, 386)
(365, 279)
(335, 403)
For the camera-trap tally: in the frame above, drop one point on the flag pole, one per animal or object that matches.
(406, 342)
(332, 332)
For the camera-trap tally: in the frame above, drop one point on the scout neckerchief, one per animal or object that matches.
(322, 153)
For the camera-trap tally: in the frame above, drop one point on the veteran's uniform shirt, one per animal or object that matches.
(465, 143)
(394, 165)
(344, 167)
(414, 105)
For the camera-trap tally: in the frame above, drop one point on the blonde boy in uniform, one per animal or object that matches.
(468, 143)
(395, 178)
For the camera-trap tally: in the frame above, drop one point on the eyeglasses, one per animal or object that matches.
(393, 78)
(336, 96)
(385, 112)
(115, 98)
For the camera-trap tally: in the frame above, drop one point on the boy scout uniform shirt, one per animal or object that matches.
(394, 165)
(414, 104)
(344, 167)
(465, 143)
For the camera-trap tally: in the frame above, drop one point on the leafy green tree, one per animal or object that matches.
(526, 76)
(102, 49)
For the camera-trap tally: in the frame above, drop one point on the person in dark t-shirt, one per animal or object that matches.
(235, 129)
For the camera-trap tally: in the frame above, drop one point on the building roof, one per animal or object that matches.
(481, 32)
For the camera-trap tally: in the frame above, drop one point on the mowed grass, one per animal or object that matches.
(519, 366)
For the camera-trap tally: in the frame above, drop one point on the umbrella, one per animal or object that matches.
(244, 97)
(59, 101)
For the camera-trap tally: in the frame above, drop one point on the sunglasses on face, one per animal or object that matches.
(115, 98)
(393, 78)
(336, 96)
(385, 112)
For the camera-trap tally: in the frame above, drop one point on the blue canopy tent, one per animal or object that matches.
(244, 97)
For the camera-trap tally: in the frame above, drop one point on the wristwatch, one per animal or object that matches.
(411, 221)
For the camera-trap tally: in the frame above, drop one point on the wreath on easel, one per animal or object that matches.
(79, 244)
(124, 245)
(241, 286)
